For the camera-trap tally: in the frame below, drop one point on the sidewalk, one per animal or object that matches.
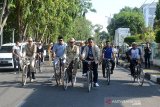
(152, 74)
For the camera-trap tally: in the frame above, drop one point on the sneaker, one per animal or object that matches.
(32, 80)
(84, 74)
(96, 85)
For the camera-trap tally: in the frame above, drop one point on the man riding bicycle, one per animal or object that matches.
(135, 57)
(30, 53)
(40, 51)
(107, 53)
(91, 53)
(72, 53)
(58, 51)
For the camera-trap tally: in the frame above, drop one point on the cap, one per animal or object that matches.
(30, 39)
(72, 40)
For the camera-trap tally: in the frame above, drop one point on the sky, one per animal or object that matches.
(106, 8)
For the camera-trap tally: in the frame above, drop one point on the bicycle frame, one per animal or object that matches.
(58, 66)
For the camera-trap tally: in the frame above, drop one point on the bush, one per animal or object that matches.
(131, 39)
(158, 36)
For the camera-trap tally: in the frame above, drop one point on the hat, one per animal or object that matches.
(30, 39)
(72, 40)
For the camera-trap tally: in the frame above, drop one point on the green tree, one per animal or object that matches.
(157, 23)
(5, 8)
(46, 19)
(130, 39)
(157, 36)
(81, 28)
(127, 18)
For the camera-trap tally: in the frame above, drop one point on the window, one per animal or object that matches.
(150, 21)
(152, 11)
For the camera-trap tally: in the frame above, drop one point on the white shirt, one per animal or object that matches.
(16, 50)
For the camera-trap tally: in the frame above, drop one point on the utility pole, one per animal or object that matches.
(13, 35)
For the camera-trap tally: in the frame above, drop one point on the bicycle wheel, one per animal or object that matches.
(56, 73)
(141, 77)
(74, 72)
(89, 80)
(39, 65)
(24, 75)
(65, 79)
(108, 75)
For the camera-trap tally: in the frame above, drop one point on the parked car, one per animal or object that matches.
(6, 60)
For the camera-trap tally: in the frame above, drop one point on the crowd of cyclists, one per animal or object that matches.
(71, 53)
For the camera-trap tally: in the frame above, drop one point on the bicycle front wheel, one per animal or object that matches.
(141, 77)
(108, 76)
(65, 79)
(24, 75)
(89, 80)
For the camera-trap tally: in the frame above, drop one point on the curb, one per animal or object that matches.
(149, 76)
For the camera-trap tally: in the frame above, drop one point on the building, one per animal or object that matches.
(149, 13)
(120, 34)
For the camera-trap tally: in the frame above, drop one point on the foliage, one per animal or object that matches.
(81, 28)
(131, 39)
(127, 18)
(147, 36)
(157, 23)
(45, 20)
(157, 36)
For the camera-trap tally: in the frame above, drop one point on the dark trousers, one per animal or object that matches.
(104, 66)
(94, 68)
(16, 63)
(133, 63)
(85, 66)
(147, 61)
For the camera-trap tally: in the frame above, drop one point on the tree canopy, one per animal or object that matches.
(45, 20)
(127, 18)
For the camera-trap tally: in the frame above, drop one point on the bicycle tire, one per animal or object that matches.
(108, 75)
(24, 75)
(89, 80)
(141, 77)
(65, 79)
(56, 77)
(39, 65)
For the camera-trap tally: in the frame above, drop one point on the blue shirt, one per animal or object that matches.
(107, 51)
(59, 49)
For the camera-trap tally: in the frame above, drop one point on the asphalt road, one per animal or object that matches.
(122, 92)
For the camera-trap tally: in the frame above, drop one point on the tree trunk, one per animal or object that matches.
(3, 18)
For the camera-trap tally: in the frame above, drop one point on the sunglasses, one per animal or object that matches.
(71, 42)
(29, 41)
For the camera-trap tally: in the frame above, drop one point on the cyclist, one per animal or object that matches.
(91, 53)
(16, 55)
(72, 53)
(58, 51)
(135, 56)
(30, 52)
(107, 53)
(40, 51)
